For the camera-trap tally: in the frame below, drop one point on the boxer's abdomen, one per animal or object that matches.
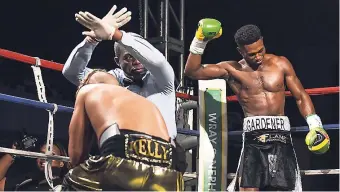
(264, 103)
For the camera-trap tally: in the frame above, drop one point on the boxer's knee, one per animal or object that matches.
(246, 188)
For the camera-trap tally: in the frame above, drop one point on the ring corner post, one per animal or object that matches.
(213, 142)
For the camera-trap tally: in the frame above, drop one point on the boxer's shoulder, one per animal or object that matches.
(94, 88)
(85, 89)
(271, 59)
(96, 91)
(282, 63)
(230, 64)
(275, 59)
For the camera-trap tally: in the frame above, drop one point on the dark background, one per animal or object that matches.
(305, 31)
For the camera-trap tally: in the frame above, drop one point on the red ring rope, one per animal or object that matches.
(314, 91)
(30, 60)
(59, 67)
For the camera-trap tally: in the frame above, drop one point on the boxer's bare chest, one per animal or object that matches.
(267, 78)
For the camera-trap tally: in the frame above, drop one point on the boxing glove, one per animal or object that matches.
(207, 30)
(317, 138)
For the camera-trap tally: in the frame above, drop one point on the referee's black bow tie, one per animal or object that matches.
(128, 82)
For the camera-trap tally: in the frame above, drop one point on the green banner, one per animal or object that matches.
(213, 127)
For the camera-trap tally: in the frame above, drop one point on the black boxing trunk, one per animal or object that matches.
(139, 147)
(268, 160)
(129, 161)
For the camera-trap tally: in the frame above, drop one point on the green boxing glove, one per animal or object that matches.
(317, 139)
(207, 30)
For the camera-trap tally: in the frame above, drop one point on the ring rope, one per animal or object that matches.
(313, 91)
(303, 172)
(38, 81)
(59, 67)
(31, 154)
(36, 62)
(50, 132)
(186, 174)
(34, 103)
(233, 133)
(61, 108)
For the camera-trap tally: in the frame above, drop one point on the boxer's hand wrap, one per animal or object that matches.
(317, 139)
(207, 30)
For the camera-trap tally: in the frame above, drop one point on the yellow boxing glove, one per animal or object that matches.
(317, 139)
(207, 30)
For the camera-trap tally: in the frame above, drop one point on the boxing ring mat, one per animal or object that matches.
(213, 143)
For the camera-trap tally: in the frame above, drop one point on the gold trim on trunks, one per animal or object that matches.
(141, 148)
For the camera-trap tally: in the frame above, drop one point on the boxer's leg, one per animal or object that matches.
(286, 175)
(240, 178)
(249, 189)
(251, 168)
(164, 179)
(86, 176)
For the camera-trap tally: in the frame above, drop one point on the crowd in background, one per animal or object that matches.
(17, 79)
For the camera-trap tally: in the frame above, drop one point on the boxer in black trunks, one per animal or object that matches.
(135, 149)
(268, 160)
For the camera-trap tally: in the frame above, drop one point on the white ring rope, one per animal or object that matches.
(31, 154)
(186, 174)
(50, 132)
(303, 172)
(50, 135)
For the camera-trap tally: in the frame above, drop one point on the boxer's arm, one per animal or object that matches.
(5, 163)
(152, 59)
(294, 85)
(195, 70)
(2, 184)
(78, 128)
(75, 67)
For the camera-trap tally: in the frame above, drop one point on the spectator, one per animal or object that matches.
(37, 180)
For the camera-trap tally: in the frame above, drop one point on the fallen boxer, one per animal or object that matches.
(134, 144)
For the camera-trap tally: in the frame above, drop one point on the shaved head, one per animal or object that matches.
(118, 49)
